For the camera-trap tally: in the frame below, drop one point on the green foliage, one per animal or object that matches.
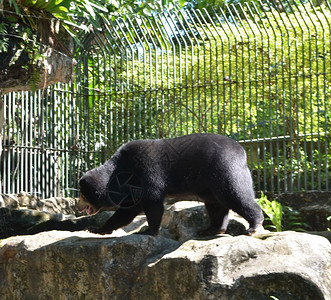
(281, 217)
(260, 76)
(4, 42)
(273, 210)
(263, 77)
(143, 8)
(292, 220)
(74, 15)
(19, 49)
(12, 3)
(50, 22)
(270, 77)
(226, 4)
(34, 79)
(82, 14)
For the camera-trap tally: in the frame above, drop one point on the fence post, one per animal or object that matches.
(2, 121)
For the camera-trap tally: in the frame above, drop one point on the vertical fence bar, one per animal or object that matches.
(318, 94)
(327, 104)
(303, 41)
(287, 108)
(328, 119)
(310, 120)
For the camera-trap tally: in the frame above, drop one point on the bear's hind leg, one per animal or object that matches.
(236, 190)
(246, 206)
(218, 216)
(255, 218)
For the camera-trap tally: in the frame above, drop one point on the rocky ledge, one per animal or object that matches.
(174, 265)
(82, 265)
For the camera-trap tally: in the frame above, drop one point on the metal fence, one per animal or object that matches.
(258, 73)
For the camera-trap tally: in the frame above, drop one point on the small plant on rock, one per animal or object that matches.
(273, 210)
(280, 216)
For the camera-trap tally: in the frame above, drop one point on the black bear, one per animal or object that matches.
(141, 173)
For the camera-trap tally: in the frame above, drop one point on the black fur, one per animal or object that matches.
(141, 173)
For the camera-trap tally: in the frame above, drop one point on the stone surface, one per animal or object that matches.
(316, 216)
(55, 205)
(64, 265)
(314, 207)
(184, 219)
(174, 265)
(82, 265)
(285, 265)
(326, 234)
(181, 221)
(28, 221)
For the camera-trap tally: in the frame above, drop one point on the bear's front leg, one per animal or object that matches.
(121, 217)
(154, 212)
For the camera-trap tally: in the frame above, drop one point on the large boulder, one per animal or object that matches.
(65, 265)
(82, 265)
(284, 265)
(184, 219)
(314, 207)
(56, 264)
(28, 221)
(54, 205)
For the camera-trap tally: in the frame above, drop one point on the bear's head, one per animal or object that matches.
(93, 191)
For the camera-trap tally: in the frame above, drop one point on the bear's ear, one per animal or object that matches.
(82, 181)
(87, 180)
(85, 184)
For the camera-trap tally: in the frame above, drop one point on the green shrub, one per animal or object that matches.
(280, 216)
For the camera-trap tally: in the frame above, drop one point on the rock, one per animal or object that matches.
(27, 200)
(10, 201)
(20, 221)
(284, 265)
(316, 216)
(55, 205)
(184, 219)
(71, 224)
(298, 200)
(177, 198)
(2, 201)
(326, 234)
(314, 207)
(59, 205)
(63, 265)
(27, 221)
(181, 221)
(81, 265)
(136, 225)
